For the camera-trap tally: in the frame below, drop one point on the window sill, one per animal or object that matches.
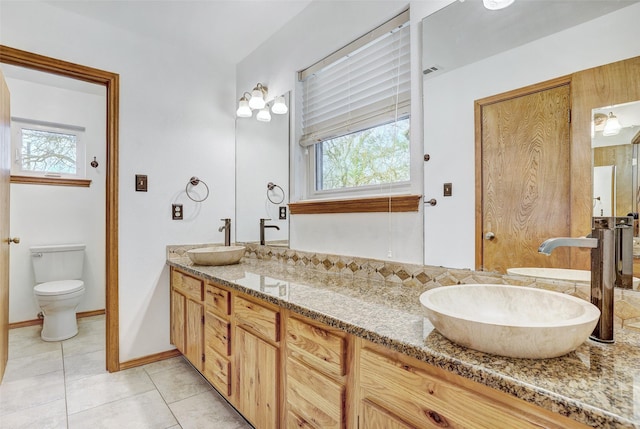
(399, 203)
(55, 181)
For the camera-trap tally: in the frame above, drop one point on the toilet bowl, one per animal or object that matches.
(59, 289)
(58, 301)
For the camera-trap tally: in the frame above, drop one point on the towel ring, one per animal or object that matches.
(194, 181)
(270, 187)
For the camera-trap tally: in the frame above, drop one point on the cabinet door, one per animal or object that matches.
(194, 334)
(258, 380)
(314, 397)
(177, 320)
(374, 417)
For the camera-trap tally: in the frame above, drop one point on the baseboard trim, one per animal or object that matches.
(149, 359)
(34, 322)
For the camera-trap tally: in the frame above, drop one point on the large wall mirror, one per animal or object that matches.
(262, 179)
(471, 54)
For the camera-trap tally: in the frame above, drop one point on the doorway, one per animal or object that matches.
(523, 176)
(111, 83)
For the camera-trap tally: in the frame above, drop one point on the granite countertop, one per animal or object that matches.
(598, 385)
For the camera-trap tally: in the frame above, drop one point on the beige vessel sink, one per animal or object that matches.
(511, 321)
(216, 255)
(559, 274)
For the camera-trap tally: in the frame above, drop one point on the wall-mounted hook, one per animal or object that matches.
(94, 163)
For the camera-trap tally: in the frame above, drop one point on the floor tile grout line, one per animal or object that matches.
(64, 382)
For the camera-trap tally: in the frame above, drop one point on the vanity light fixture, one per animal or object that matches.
(496, 4)
(244, 110)
(258, 95)
(612, 127)
(279, 106)
(264, 115)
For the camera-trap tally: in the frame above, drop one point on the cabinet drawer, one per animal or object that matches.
(217, 333)
(424, 396)
(260, 319)
(219, 300)
(217, 370)
(189, 286)
(314, 397)
(317, 346)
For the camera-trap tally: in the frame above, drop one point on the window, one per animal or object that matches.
(355, 112)
(46, 149)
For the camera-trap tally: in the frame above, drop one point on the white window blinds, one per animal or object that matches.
(365, 84)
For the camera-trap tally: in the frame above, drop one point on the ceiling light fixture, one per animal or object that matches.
(496, 4)
(612, 127)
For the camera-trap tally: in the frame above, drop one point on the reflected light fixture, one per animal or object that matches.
(279, 106)
(496, 4)
(264, 115)
(612, 127)
(250, 102)
(244, 111)
(258, 95)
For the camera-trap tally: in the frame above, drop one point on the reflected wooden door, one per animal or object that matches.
(525, 153)
(5, 165)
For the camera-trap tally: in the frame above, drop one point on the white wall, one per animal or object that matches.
(175, 122)
(42, 215)
(449, 118)
(317, 31)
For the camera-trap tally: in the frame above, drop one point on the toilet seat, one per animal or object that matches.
(58, 287)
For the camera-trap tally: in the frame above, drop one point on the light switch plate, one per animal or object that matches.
(141, 183)
(448, 189)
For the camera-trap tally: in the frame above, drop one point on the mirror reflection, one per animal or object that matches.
(262, 179)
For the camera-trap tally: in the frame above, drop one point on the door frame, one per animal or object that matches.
(111, 82)
(478, 105)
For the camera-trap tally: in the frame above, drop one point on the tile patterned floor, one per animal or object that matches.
(64, 385)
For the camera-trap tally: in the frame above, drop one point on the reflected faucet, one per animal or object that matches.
(262, 228)
(611, 243)
(227, 231)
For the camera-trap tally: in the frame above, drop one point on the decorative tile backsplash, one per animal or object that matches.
(627, 305)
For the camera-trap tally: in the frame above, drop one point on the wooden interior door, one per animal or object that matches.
(525, 178)
(5, 165)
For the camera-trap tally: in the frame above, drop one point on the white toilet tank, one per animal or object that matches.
(57, 262)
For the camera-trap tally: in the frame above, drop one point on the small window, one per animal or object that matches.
(47, 150)
(375, 156)
(355, 114)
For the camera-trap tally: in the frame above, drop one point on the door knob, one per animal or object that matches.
(432, 202)
(15, 240)
(489, 236)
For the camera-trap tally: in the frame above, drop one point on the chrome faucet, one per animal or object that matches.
(611, 243)
(262, 228)
(227, 231)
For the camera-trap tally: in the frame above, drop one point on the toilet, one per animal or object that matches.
(59, 288)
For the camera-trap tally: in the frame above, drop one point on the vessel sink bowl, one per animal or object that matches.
(510, 321)
(559, 274)
(216, 255)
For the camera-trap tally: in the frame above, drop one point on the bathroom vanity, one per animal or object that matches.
(293, 346)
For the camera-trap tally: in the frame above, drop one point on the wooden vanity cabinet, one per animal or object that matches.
(316, 375)
(396, 391)
(257, 361)
(217, 336)
(187, 317)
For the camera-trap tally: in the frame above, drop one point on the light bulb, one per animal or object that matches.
(257, 97)
(279, 106)
(264, 115)
(244, 111)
